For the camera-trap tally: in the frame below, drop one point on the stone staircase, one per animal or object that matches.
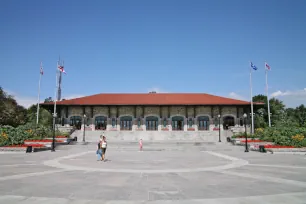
(134, 136)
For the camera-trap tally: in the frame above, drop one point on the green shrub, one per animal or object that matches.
(16, 135)
(288, 136)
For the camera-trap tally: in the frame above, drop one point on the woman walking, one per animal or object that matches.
(99, 150)
(103, 147)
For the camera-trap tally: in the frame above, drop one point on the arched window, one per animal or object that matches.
(100, 123)
(152, 123)
(178, 123)
(228, 121)
(126, 123)
(203, 123)
(76, 121)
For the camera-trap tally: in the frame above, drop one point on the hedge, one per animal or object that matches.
(288, 136)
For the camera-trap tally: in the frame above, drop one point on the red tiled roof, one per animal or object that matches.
(152, 99)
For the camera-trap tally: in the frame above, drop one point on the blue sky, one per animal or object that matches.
(168, 46)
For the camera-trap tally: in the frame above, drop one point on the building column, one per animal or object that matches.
(185, 124)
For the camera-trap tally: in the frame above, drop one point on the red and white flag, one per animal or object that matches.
(61, 68)
(267, 66)
(41, 69)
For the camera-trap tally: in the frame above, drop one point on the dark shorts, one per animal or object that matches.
(103, 150)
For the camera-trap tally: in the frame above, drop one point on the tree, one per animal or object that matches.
(300, 114)
(45, 117)
(48, 100)
(277, 111)
(10, 112)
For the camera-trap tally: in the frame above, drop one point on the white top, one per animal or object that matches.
(104, 144)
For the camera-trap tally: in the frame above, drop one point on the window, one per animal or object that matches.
(113, 122)
(126, 123)
(152, 123)
(216, 122)
(203, 122)
(139, 122)
(165, 122)
(76, 121)
(178, 123)
(100, 123)
(228, 121)
(190, 122)
(241, 122)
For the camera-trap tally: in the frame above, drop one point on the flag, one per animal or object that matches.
(61, 68)
(41, 69)
(267, 66)
(253, 66)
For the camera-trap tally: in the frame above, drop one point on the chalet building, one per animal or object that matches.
(151, 112)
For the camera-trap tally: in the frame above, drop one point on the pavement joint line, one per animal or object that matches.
(20, 176)
(266, 178)
(16, 165)
(235, 164)
(285, 198)
(278, 166)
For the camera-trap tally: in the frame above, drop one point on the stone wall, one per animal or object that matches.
(75, 111)
(160, 111)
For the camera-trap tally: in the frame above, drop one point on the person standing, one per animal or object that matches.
(103, 147)
(140, 145)
(99, 150)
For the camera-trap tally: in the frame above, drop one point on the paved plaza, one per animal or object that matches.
(165, 173)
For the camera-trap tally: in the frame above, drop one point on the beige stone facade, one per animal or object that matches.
(153, 118)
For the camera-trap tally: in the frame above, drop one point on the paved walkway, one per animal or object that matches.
(162, 173)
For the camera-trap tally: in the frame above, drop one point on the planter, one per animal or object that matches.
(25, 148)
(165, 129)
(41, 141)
(190, 129)
(216, 129)
(62, 137)
(252, 141)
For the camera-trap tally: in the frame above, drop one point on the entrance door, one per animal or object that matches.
(228, 121)
(126, 123)
(178, 123)
(100, 122)
(151, 123)
(203, 123)
(76, 121)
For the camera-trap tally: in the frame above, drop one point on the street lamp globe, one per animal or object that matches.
(219, 116)
(245, 115)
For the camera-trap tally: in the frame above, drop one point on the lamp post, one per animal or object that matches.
(219, 117)
(53, 138)
(84, 129)
(246, 135)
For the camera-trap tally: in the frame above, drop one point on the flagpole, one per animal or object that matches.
(267, 92)
(55, 99)
(37, 114)
(54, 112)
(252, 115)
